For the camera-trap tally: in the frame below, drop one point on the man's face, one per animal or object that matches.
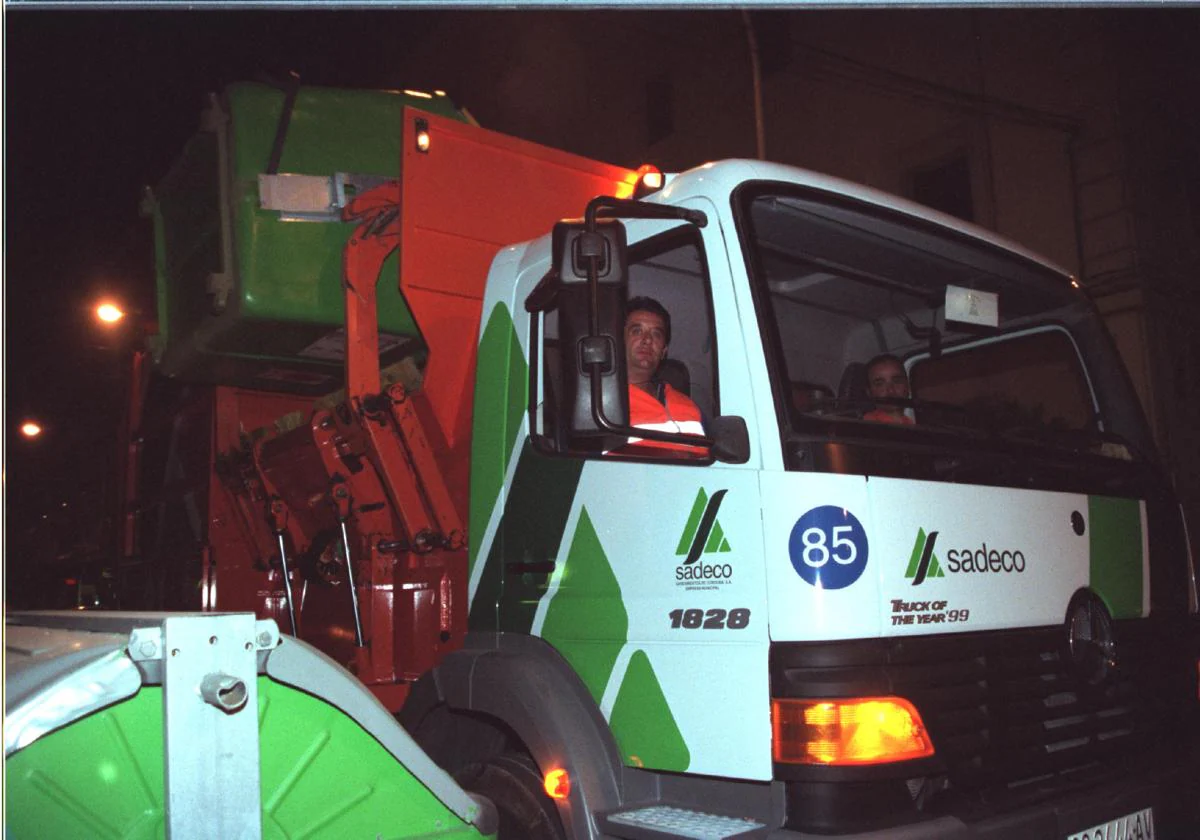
(645, 344)
(888, 379)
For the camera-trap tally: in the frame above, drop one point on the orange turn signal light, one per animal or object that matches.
(847, 731)
(557, 784)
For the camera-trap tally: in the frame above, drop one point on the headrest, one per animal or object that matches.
(854, 382)
(676, 374)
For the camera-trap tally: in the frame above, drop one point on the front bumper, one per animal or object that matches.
(1174, 796)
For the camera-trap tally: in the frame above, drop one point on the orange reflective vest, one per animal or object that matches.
(680, 415)
(878, 415)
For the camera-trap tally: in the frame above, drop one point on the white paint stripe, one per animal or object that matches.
(560, 565)
(615, 679)
(489, 534)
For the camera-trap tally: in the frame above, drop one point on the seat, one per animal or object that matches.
(808, 394)
(853, 385)
(676, 374)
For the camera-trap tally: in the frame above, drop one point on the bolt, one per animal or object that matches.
(264, 639)
(148, 649)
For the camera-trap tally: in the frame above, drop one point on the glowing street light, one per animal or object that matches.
(109, 312)
(30, 429)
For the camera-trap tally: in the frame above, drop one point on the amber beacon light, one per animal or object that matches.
(847, 731)
(649, 179)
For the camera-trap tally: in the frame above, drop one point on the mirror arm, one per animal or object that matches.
(609, 206)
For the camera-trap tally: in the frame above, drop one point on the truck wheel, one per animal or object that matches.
(512, 782)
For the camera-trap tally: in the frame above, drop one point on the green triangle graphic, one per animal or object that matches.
(689, 530)
(915, 559)
(646, 731)
(725, 545)
(935, 568)
(587, 621)
(714, 539)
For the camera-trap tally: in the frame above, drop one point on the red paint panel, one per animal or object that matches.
(473, 192)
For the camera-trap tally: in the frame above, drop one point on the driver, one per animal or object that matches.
(887, 379)
(654, 404)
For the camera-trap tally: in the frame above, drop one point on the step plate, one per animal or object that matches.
(665, 822)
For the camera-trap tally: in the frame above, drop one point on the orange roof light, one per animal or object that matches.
(856, 730)
(649, 179)
(557, 784)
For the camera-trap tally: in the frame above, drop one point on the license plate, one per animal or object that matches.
(1136, 826)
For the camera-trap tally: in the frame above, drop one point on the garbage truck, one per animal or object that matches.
(387, 408)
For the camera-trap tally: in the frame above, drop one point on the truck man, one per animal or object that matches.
(653, 403)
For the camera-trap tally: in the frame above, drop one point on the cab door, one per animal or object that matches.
(655, 593)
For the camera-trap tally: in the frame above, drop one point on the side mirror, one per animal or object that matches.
(731, 439)
(591, 322)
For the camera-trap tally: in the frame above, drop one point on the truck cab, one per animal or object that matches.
(982, 615)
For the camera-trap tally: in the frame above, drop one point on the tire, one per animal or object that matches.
(514, 785)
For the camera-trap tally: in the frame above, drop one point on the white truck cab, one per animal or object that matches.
(976, 620)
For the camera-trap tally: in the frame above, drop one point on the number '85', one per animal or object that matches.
(817, 552)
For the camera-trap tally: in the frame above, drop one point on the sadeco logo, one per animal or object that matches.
(923, 562)
(703, 535)
(828, 547)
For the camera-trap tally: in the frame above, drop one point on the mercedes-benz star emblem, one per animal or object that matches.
(1090, 638)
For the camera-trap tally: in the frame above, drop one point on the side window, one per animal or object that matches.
(671, 269)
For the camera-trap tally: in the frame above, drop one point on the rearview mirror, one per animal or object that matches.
(591, 321)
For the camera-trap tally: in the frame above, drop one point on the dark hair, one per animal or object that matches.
(884, 357)
(649, 304)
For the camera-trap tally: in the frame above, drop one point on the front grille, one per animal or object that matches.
(1009, 719)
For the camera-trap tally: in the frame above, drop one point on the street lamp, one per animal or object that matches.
(30, 429)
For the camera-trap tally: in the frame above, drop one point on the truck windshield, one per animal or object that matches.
(988, 347)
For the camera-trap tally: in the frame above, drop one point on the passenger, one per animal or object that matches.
(654, 404)
(887, 379)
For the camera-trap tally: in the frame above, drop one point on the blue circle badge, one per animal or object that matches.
(828, 547)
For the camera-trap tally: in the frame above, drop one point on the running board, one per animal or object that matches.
(666, 822)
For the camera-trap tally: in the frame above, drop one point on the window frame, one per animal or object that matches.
(640, 250)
